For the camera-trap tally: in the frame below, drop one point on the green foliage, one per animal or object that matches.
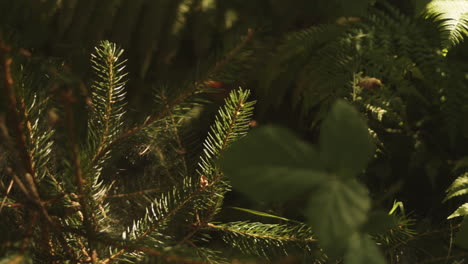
(90, 219)
(362, 249)
(347, 153)
(457, 188)
(87, 176)
(287, 159)
(338, 206)
(453, 16)
(108, 96)
(265, 239)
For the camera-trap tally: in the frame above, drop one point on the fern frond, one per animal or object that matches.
(453, 18)
(294, 54)
(267, 240)
(461, 211)
(458, 187)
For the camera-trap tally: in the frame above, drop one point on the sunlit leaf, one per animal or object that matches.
(458, 187)
(453, 15)
(461, 211)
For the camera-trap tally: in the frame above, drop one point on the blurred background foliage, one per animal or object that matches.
(166, 40)
(396, 61)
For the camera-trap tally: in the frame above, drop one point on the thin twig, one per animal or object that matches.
(437, 260)
(416, 237)
(29, 232)
(152, 252)
(6, 195)
(449, 251)
(175, 132)
(134, 193)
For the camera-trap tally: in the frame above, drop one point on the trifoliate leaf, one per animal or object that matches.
(271, 163)
(362, 249)
(336, 211)
(345, 144)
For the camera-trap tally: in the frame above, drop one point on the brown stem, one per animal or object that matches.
(18, 126)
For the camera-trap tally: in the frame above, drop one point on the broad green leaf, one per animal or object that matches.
(336, 211)
(345, 144)
(271, 163)
(461, 211)
(461, 238)
(362, 249)
(380, 222)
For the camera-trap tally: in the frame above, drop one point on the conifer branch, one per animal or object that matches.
(108, 96)
(27, 171)
(248, 232)
(176, 101)
(150, 252)
(265, 239)
(12, 103)
(231, 123)
(80, 181)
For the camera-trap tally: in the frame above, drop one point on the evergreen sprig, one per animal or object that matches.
(194, 194)
(108, 97)
(267, 240)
